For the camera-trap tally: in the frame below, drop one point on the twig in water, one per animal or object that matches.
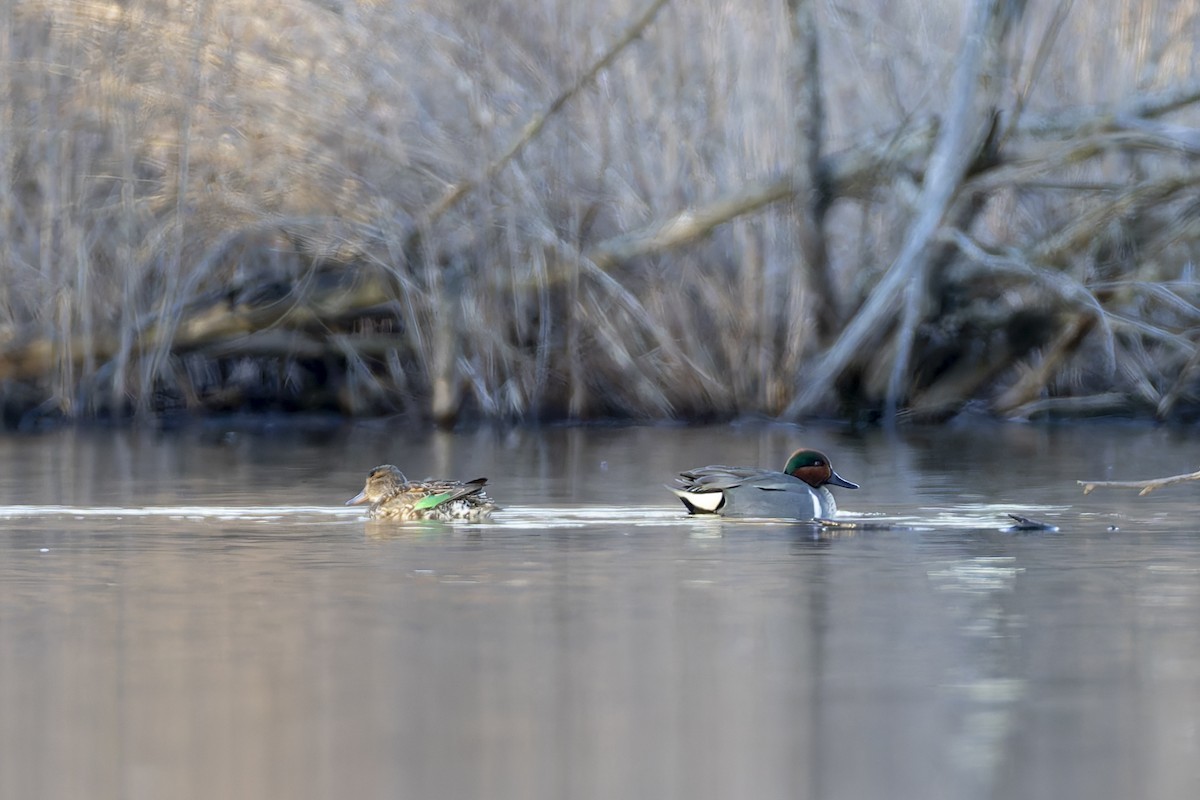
(1146, 486)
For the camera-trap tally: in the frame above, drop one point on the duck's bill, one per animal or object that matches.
(358, 499)
(838, 480)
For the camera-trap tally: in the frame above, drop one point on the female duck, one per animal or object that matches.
(798, 492)
(392, 496)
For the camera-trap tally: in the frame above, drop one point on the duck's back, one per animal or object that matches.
(443, 500)
(752, 492)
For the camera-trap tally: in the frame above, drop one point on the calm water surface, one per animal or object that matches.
(195, 615)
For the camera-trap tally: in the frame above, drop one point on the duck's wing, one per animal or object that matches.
(712, 478)
(718, 478)
(435, 493)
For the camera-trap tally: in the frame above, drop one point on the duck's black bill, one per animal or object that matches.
(838, 480)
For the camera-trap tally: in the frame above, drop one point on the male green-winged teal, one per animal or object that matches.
(798, 492)
(392, 496)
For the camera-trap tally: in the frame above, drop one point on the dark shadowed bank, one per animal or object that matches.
(637, 209)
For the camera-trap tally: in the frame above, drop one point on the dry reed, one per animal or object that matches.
(437, 209)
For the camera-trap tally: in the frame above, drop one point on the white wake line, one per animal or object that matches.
(513, 516)
(593, 514)
(200, 512)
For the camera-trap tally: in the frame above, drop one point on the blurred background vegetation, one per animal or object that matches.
(552, 209)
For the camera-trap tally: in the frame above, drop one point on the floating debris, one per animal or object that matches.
(1028, 524)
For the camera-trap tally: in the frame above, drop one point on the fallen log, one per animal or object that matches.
(227, 323)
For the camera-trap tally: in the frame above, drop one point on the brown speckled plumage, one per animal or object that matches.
(394, 497)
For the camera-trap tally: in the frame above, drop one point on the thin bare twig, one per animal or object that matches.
(1083, 121)
(1146, 487)
(535, 124)
(1045, 48)
(1168, 401)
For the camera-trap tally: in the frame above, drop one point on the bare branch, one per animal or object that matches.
(1179, 387)
(1094, 120)
(1034, 381)
(534, 126)
(854, 173)
(952, 154)
(811, 191)
(1045, 48)
(690, 224)
(1146, 487)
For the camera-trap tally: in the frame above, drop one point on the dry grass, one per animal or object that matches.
(161, 157)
